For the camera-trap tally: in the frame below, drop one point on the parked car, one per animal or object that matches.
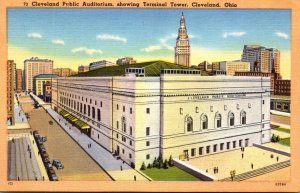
(48, 165)
(51, 122)
(56, 163)
(45, 157)
(52, 175)
(42, 148)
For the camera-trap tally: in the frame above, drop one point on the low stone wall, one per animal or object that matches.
(193, 170)
(272, 150)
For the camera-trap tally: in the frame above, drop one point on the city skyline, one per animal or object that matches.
(80, 36)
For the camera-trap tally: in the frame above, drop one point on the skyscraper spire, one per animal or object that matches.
(182, 48)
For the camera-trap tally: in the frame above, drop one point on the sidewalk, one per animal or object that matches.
(21, 121)
(104, 158)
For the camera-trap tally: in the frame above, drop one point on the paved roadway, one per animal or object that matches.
(78, 165)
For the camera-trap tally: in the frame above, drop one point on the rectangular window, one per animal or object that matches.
(130, 156)
(130, 110)
(240, 142)
(197, 109)
(117, 136)
(117, 107)
(101, 104)
(147, 131)
(225, 107)
(123, 151)
(193, 152)
(180, 111)
(148, 110)
(233, 144)
(200, 150)
(117, 124)
(147, 143)
(130, 143)
(211, 108)
(263, 102)
(98, 136)
(123, 108)
(246, 142)
(207, 149)
(215, 147)
(249, 105)
(148, 156)
(263, 116)
(221, 146)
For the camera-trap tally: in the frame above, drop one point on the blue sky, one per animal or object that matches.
(74, 36)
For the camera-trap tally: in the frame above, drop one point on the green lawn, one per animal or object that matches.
(286, 130)
(170, 174)
(285, 141)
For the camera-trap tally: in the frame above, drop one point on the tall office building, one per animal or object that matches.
(11, 65)
(274, 60)
(125, 60)
(182, 48)
(262, 59)
(35, 66)
(19, 80)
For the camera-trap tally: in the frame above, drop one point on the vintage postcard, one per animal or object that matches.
(150, 96)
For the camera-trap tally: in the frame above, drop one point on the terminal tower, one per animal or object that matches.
(182, 48)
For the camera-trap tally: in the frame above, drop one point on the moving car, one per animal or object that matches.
(56, 163)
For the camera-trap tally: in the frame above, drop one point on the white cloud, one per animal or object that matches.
(61, 42)
(88, 51)
(282, 35)
(34, 35)
(111, 37)
(151, 48)
(233, 34)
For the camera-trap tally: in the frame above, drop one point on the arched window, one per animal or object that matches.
(204, 121)
(93, 113)
(218, 120)
(243, 117)
(189, 123)
(124, 124)
(231, 119)
(99, 114)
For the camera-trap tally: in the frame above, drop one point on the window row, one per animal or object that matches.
(91, 112)
(75, 97)
(216, 148)
(217, 120)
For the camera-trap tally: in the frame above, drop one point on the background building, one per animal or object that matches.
(63, 72)
(100, 64)
(182, 48)
(42, 83)
(231, 66)
(282, 87)
(11, 65)
(126, 60)
(33, 67)
(19, 80)
(262, 59)
(206, 66)
(83, 68)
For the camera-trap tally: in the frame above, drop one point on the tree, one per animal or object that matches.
(160, 163)
(166, 164)
(154, 162)
(149, 166)
(277, 138)
(143, 167)
(171, 162)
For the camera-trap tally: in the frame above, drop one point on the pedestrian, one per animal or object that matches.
(13, 140)
(252, 166)
(43, 178)
(28, 148)
(206, 170)
(242, 155)
(277, 158)
(30, 154)
(121, 168)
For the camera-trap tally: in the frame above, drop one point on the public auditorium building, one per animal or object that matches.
(154, 110)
